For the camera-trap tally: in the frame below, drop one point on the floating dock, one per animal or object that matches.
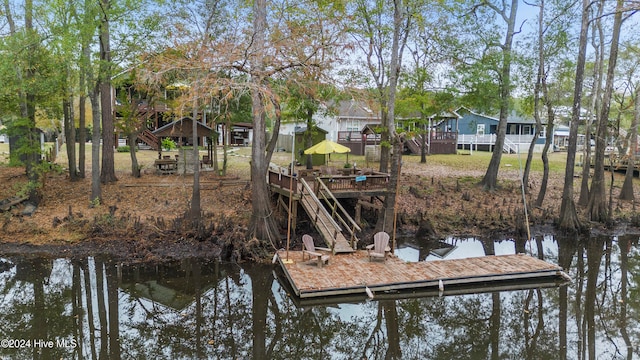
(351, 274)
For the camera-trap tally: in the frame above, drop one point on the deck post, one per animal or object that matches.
(294, 215)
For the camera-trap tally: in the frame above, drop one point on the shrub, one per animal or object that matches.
(168, 144)
(123, 149)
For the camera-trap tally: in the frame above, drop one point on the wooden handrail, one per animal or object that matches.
(323, 189)
(320, 208)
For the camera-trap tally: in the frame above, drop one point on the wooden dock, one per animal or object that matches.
(350, 274)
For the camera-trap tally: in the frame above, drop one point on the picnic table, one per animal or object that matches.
(166, 166)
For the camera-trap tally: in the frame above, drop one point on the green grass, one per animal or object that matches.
(4, 153)
(239, 164)
(480, 161)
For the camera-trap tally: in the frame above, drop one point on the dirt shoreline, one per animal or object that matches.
(141, 218)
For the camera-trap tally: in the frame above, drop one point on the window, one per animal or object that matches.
(480, 130)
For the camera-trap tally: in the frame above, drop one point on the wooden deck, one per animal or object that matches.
(349, 274)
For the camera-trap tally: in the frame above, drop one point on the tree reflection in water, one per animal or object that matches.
(201, 310)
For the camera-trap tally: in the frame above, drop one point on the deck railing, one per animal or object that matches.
(338, 213)
(332, 227)
(513, 143)
(284, 181)
(376, 181)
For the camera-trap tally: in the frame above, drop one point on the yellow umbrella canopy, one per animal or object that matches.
(327, 147)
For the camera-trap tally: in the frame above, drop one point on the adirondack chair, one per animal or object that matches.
(310, 249)
(380, 247)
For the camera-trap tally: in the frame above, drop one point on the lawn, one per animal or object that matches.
(238, 159)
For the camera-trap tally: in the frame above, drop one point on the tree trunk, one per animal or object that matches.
(568, 220)
(392, 322)
(86, 83)
(70, 135)
(385, 135)
(550, 117)
(566, 253)
(214, 143)
(107, 175)
(387, 217)
(536, 96)
(114, 310)
(225, 147)
(308, 137)
(135, 168)
(597, 41)
(545, 164)
(96, 186)
(595, 249)
(260, 288)
(89, 308)
(195, 211)
(102, 309)
(626, 193)
(262, 224)
(527, 164)
(597, 206)
(490, 179)
(82, 136)
(25, 136)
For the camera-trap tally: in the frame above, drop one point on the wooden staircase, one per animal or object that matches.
(324, 222)
(149, 138)
(413, 146)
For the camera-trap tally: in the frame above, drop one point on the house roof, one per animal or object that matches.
(369, 129)
(561, 130)
(247, 125)
(446, 115)
(462, 110)
(357, 109)
(183, 127)
(512, 118)
(303, 129)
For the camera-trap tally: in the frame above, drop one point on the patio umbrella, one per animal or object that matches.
(328, 147)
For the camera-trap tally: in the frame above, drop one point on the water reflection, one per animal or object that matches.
(98, 309)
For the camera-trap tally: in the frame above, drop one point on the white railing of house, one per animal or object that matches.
(513, 143)
(477, 139)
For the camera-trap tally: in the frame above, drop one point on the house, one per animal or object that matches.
(478, 132)
(238, 134)
(343, 122)
(561, 139)
(341, 119)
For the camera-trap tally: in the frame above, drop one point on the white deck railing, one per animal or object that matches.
(513, 143)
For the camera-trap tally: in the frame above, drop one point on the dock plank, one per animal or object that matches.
(350, 273)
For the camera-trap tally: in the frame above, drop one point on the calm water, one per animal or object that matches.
(96, 309)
